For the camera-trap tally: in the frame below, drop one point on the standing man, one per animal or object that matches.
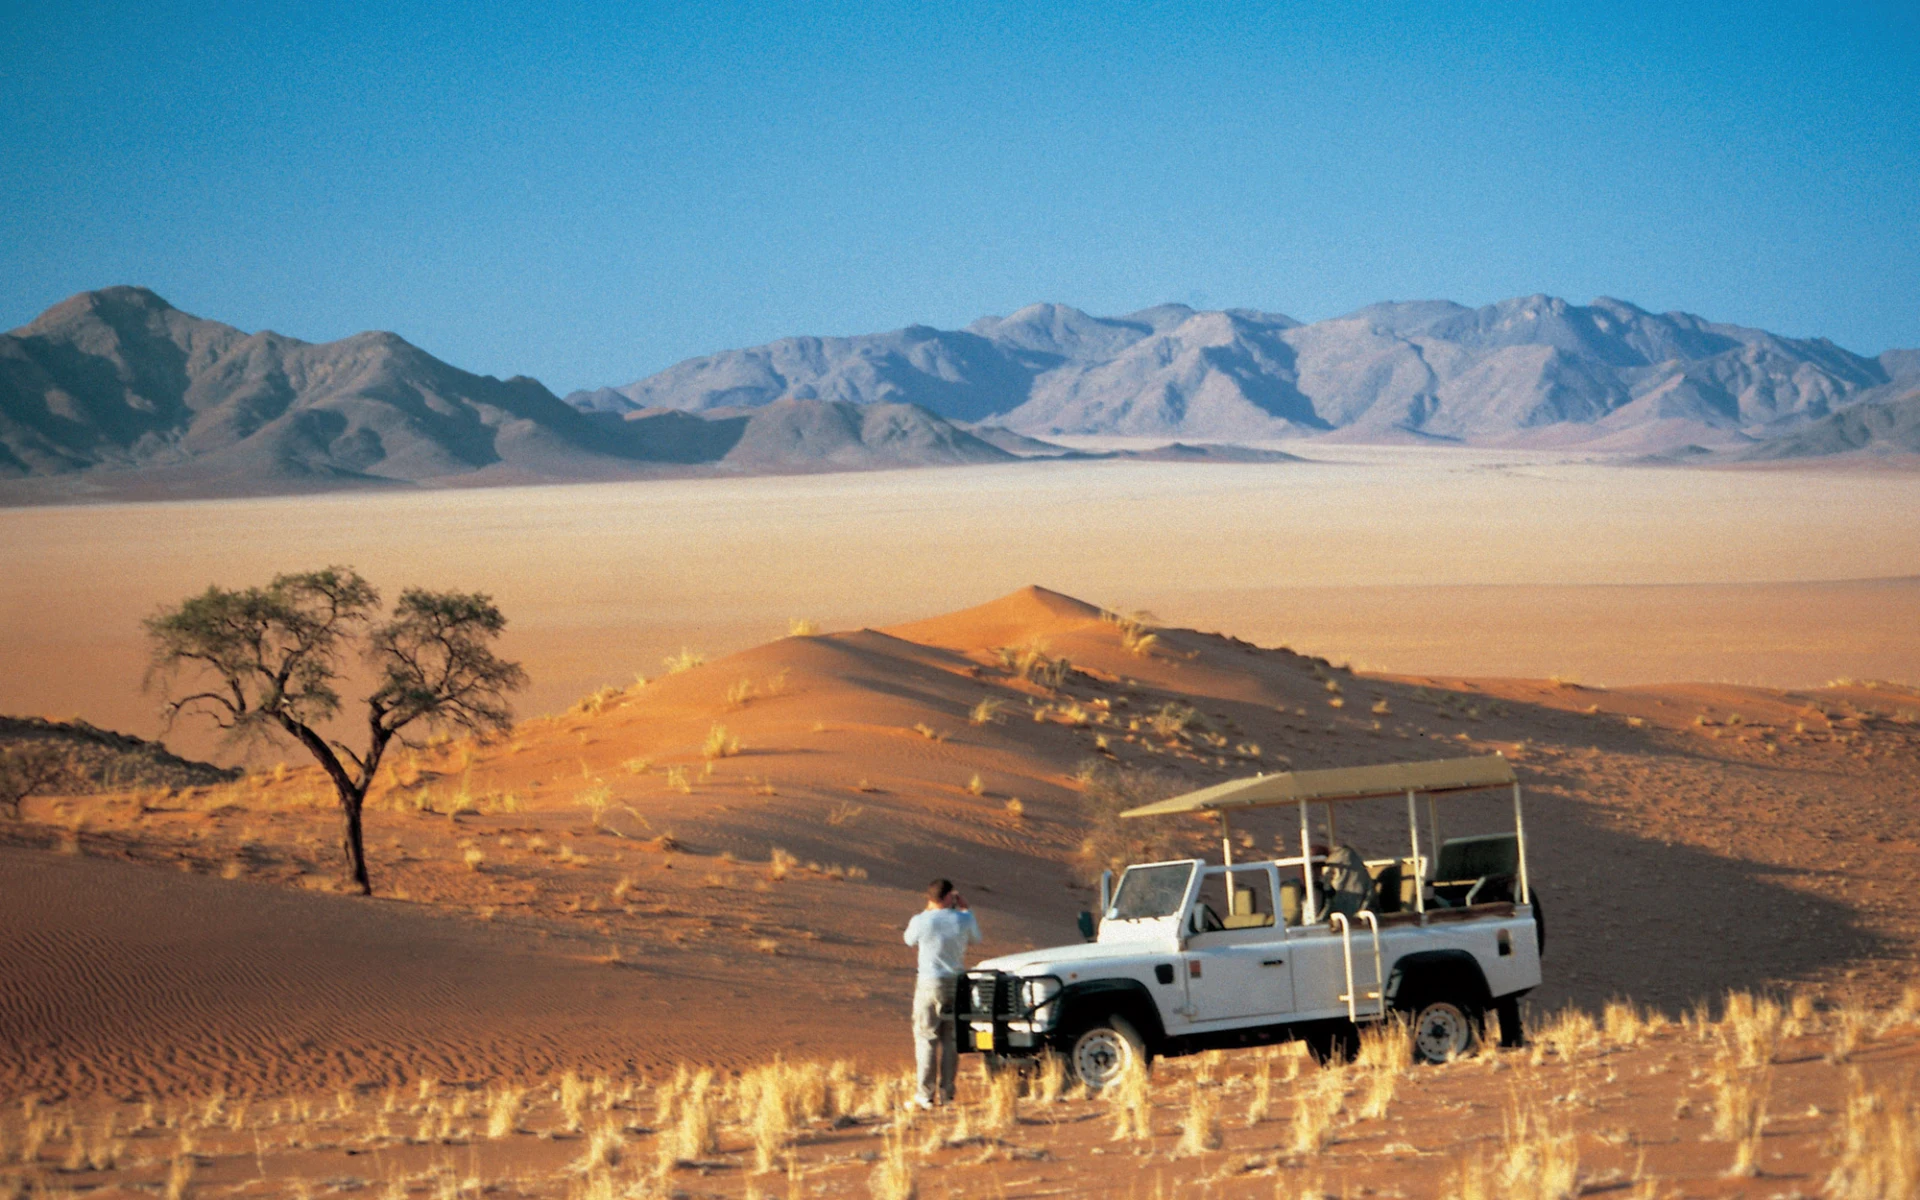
(941, 933)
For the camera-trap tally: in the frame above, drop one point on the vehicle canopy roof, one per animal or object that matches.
(1335, 784)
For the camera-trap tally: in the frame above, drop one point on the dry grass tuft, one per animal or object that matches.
(503, 1110)
(802, 627)
(987, 711)
(719, 744)
(1386, 1049)
(976, 786)
(1200, 1126)
(1314, 1110)
(1015, 808)
(1848, 1026)
(1051, 1080)
(1570, 1033)
(1135, 636)
(1535, 1162)
(1130, 1099)
(893, 1175)
(1750, 1027)
(1030, 661)
(686, 660)
(1879, 1150)
(781, 863)
(1261, 1106)
(1622, 1023)
(1003, 1104)
(693, 1134)
(573, 1101)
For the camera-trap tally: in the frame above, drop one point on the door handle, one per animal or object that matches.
(1273, 962)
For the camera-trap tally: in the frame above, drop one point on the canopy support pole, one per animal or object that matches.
(1419, 868)
(1311, 913)
(1433, 825)
(1520, 837)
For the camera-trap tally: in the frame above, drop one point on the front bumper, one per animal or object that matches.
(996, 1012)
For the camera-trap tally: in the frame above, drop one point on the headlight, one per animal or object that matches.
(1036, 992)
(982, 995)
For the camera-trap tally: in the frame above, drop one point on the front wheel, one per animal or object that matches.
(1443, 1030)
(1102, 1054)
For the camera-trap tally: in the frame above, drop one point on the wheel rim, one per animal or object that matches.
(1101, 1056)
(1442, 1032)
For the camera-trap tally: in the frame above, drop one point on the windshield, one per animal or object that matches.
(1151, 891)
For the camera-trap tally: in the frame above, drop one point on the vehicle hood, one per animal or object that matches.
(1028, 962)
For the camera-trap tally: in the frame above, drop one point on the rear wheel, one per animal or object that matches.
(1443, 1029)
(1101, 1054)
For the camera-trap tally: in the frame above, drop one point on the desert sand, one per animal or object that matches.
(1470, 562)
(709, 870)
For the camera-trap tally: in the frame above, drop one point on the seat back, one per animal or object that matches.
(1386, 889)
(1245, 915)
(1292, 900)
(1468, 858)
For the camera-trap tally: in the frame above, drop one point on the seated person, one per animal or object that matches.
(1349, 884)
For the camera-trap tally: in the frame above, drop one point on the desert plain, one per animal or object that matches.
(591, 938)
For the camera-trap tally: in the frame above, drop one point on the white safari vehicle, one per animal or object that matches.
(1191, 956)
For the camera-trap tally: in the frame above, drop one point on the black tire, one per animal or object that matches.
(1513, 1033)
(1101, 1053)
(1445, 1026)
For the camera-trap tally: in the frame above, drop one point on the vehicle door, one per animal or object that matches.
(1236, 956)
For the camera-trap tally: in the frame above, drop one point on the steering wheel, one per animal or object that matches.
(1209, 920)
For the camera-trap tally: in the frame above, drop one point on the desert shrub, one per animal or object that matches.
(1030, 661)
(686, 660)
(987, 711)
(27, 769)
(1170, 720)
(719, 744)
(1135, 637)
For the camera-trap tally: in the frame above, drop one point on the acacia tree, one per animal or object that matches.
(29, 769)
(266, 660)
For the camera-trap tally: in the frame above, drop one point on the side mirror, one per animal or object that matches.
(1086, 926)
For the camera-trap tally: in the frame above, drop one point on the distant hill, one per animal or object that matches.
(119, 392)
(120, 379)
(100, 759)
(116, 393)
(1529, 371)
(1890, 426)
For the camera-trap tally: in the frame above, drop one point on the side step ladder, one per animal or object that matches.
(1377, 1011)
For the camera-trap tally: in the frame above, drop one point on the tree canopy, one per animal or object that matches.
(268, 660)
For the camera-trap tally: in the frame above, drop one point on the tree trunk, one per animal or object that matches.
(353, 846)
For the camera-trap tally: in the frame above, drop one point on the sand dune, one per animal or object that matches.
(624, 910)
(1406, 561)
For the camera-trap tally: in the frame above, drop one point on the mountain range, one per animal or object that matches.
(117, 392)
(1533, 371)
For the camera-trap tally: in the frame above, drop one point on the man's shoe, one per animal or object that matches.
(921, 1103)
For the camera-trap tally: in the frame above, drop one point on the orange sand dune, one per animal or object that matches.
(600, 888)
(1459, 561)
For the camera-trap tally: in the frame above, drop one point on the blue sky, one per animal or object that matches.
(590, 193)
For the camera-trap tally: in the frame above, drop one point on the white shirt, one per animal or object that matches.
(942, 934)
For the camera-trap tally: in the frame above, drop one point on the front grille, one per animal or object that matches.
(990, 994)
